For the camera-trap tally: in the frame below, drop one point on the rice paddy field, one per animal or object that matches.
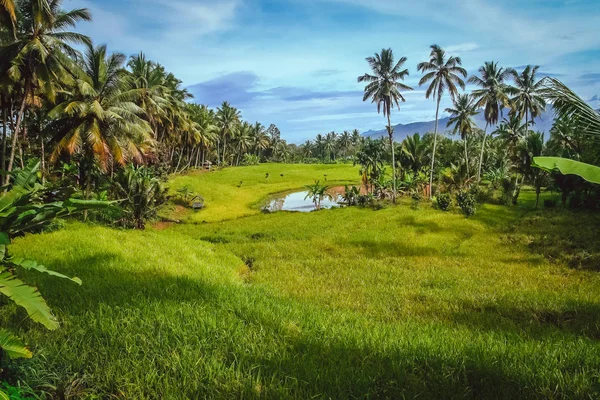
(333, 304)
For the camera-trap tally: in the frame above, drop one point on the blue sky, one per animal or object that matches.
(295, 62)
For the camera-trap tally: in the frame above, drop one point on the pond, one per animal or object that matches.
(298, 201)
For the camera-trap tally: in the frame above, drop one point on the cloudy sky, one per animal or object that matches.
(295, 62)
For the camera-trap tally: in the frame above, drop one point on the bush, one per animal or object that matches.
(141, 193)
(444, 201)
(466, 202)
(549, 203)
(250, 159)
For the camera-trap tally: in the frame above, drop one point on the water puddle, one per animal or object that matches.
(298, 201)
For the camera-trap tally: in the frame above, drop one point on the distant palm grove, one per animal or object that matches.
(97, 146)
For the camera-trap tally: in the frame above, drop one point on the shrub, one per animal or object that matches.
(141, 193)
(444, 201)
(466, 202)
(549, 203)
(351, 195)
(250, 159)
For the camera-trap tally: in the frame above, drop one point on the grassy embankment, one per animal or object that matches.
(332, 304)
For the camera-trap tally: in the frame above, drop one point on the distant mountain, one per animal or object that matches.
(401, 131)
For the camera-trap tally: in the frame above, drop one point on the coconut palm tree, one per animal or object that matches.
(461, 118)
(443, 73)
(228, 118)
(100, 120)
(492, 95)
(384, 87)
(528, 100)
(330, 145)
(344, 143)
(414, 153)
(260, 138)
(37, 60)
(243, 139)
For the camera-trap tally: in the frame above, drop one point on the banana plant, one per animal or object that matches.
(26, 206)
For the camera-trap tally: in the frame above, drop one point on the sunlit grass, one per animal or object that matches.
(237, 192)
(343, 303)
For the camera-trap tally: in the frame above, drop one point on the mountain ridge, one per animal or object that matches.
(542, 124)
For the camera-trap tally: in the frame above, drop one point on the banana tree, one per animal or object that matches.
(26, 206)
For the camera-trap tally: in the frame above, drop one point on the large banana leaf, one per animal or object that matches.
(29, 298)
(565, 166)
(32, 265)
(13, 346)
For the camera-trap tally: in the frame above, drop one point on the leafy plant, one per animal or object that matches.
(565, 166)
(251, 159)
(141, 193)
(24, 208)
(317, 193)
(444, 201)
(466, 202)
(351, 195)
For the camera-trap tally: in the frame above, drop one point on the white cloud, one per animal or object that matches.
(462, 48)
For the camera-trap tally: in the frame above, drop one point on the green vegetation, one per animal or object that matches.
(338, 303)
(238, 192)
(217, 299)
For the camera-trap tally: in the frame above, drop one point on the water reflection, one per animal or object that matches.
(298, 202)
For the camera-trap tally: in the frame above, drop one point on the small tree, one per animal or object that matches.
(317, 193)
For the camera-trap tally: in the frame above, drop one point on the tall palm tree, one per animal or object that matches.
(37, 60)
(461, 117)
(228, 118)
(330, 145)
(260, 138)
(528, 100)
(98, 119)
(384, 88)
(444, 73)
(344, 143)
(243, 139)
(493, 95)
(320, 146)
(355, 137)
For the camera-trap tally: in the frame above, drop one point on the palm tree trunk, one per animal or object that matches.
(391, 134)
(482, 150)
(15, 136)
(466, 157)
(437, 112)
(4, 129)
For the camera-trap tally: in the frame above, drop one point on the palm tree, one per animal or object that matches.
(307, 149)
(317, 193)
(562, 138)
(512, 131)
(329, 145)
(528, 100)
(384, 88)
(532, 146)
(443, 74)
(8, 15)
(461, 117)
(414, 153)
(243, 139)
(260, 138)
(492, 95)
(228, 118)
(99, 119)
(320, 146)
(344, 143)
(37, 60)
(355, 137)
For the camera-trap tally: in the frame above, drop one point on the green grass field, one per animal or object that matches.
(342, 303)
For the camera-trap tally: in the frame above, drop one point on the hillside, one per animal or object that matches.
(542, 124)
